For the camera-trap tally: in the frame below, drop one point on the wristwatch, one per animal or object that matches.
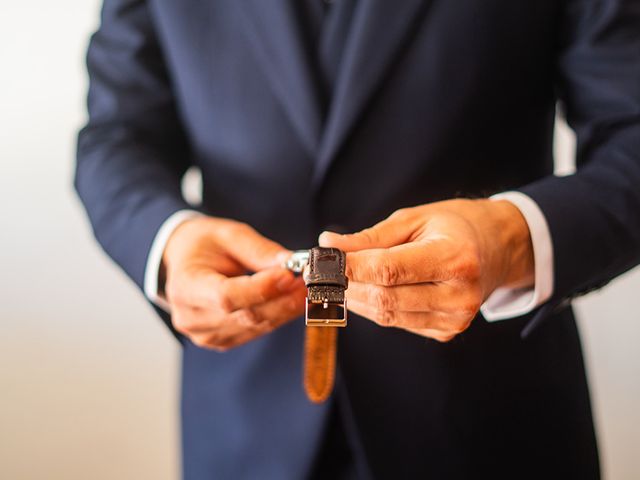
(323, 271)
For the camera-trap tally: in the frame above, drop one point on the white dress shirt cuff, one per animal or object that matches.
(154, 259)
(506, 303)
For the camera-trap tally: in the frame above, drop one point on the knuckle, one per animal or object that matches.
(232, 228)
(179, 323)
(224, 227)
(401, 213)
(252, 316)
(262, 247)
(241, 227)
(221, 300)
(182, 319)
(467, 310)
(214, 342)
(370, 235)
(263, 292)
(221, 348)
(444, 337)
(381, 299)
(460, 326)
(389, 273)
(468, 266)
(201, 341)
(471, 302)
(248, 315)
(184, 330)
(385, 318)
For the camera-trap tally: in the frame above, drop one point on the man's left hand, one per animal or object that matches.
(427, 269)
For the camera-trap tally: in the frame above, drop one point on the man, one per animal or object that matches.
(368, 117)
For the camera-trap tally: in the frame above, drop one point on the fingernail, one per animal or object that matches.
(326, 236)
(283, 257)
(286, 282)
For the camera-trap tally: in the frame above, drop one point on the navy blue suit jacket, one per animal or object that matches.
(433, 99)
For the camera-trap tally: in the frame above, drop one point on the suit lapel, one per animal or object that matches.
(379, 29)
(276, 35)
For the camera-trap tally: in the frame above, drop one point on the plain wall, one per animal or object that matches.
(88, 375)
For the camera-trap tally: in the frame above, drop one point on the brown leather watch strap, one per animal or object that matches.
(324, 276)
(320, 349)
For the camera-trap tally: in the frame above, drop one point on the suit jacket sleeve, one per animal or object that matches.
(132, 153)
(594, 214)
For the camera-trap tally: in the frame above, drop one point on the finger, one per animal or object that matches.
(194, 320)
(221, 343)
(278, 311)
(393, 230)
(421, 297)
(250, 248)
(234, 329)
(441, 297)
(203, 322)
(399, 319)
(242, 326)
(211, 290)
(414, 262)
(247, 291)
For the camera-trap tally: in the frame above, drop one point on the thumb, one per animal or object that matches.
(386, 234)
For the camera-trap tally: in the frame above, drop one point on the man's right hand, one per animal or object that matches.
(215, 300)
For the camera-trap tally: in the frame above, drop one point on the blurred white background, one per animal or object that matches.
(88, 375)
